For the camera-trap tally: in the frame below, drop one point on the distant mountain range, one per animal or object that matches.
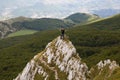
(20, 23)
(30, 13)
(106, 12)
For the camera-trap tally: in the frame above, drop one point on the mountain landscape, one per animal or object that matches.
(97, 45)
(111, 23)
(60, 40)
(57, 8)
(23, 23)
(60, 61)
(82, 18)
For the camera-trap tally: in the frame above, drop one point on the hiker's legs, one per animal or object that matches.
(62, 36)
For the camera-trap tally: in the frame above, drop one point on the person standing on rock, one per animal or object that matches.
(62, 33)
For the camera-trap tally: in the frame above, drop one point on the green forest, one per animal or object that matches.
(94, 42)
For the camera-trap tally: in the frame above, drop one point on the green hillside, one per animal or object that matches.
(19, 23)
(82, 18)
(42, 24)
(92, 43)
(18, 19)
(16, 24)
(22, 32)
(111, 23)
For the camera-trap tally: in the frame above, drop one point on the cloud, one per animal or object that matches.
(7, 13)
(43, 15)
(53, 8)
(56, 2)
(35, 15)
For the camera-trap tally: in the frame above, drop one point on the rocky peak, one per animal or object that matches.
(58, 61)
(104, 70)
(112, 64)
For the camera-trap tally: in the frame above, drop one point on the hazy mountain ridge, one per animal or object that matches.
(41, 24)
(7, 28)
(106, 12)
(20, 23)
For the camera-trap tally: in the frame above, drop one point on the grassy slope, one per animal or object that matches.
(82, 17)
(111, 23)
(41, 24)
(92, 45)
(22, 32)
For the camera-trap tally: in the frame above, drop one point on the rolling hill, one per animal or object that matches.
(21, 23)
(92, 43)
(42, 24)
(110, 23)
(82, 18)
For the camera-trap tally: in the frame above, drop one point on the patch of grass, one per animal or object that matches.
(105, 73)
(22, 32)
(39, 77)
(115, 75)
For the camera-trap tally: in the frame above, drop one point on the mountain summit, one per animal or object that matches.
(82, 17)
(58, 61)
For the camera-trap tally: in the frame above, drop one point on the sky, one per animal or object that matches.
(53, 8)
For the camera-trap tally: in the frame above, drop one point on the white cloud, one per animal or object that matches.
(7, 13)
(27, 3)
(53, 8)
(43, 15)
(35, 15)
(56, 2)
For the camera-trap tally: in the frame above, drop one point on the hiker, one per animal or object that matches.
(62, 33)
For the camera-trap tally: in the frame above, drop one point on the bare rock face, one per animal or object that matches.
(111, 64)
(104, 70)
(5, 29)
(59, 61)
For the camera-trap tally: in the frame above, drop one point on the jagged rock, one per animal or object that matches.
(104, 70)
(5, 29)
(112, 65)
(59, 61)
